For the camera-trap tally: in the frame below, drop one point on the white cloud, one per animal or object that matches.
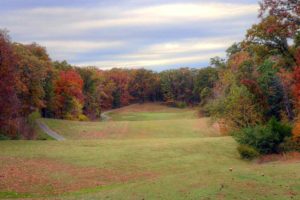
(177, 52)
(195, 11)
(190, 45)
(80, 46)
(68, 33)
(152, 63)
(170, 14)
(74, 20)
(65, 49)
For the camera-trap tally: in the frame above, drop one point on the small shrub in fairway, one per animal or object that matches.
(180, 104)
(247, 152)
(82, 117)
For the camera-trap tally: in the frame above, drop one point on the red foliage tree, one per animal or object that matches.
(287, 11)
(296, 85)
(68, 90)
(121, 78)
(106, 88)
(8, 97)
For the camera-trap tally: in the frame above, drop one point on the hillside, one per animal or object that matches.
(155, 157)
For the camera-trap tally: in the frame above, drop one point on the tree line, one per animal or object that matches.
(31, 82)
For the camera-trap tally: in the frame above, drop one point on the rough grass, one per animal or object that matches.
(179, 165)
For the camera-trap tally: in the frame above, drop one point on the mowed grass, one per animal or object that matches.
(178, 128)
(150, 111)
(139, 121)
(181, 164)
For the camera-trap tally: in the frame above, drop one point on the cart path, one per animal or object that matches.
(104, 116)
(50, 132)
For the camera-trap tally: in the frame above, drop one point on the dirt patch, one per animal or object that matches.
(286, 157)
(205, 126)
(41, 176)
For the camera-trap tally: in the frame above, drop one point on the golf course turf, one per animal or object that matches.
(144, 151)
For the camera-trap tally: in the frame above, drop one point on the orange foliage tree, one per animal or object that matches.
(69, 97)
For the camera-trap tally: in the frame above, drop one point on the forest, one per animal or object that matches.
(253, 93)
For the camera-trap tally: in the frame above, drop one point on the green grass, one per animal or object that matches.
(149, 112)
(149, 116)
(174, 128)
(183, 163)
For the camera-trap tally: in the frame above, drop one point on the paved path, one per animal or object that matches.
(49, 132)
(104, 116)
(58, 137)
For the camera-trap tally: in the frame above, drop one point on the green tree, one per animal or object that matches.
(92, 92)
(205, 81)
(178, 85)
(237, 108)
(274, 91)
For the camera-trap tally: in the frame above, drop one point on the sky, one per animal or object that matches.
(153, 34)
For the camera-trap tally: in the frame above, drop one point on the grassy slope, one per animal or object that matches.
(183, 128)
(180, 167)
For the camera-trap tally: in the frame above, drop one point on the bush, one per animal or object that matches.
(70, 117)
(180, 104)
(4, 137)
(265, 139)
(82, 117)
(247, 152)
(33, 117)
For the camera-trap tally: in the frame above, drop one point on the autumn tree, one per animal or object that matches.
(33, 65)
(92, 92)
(69, 97)
(296, 86)
(121, 78)
(62, 66)
(8, 98)
(270, 32)
(287, 11)
(48, 110)
(144, 85)
(237, 108)
(204, 83)
(178, 85)
(107, 88)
